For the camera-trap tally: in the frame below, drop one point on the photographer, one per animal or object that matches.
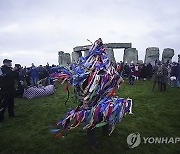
(7, 80)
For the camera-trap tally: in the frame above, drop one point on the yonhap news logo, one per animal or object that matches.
(134, 140)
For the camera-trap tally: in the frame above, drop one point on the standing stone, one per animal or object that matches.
(179, 59)
(130, 55)
(76, 56)
(167, 55)
(61, 58)
(152, 54)
(67, 58)
(110, 54)
(86, 52)
(64, 58)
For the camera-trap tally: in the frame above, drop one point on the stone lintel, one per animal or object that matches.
(106, 45)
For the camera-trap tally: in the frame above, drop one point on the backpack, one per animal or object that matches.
(159, 72)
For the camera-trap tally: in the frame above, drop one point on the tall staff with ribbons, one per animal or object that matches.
(95, 83)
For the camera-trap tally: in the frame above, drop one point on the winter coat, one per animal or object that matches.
(175, 71)
(165, 75)
(34, 72)
(154, 77)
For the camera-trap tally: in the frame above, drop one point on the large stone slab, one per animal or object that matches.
(167, 55)
(106, 45)
(152, 54)
(118, 45)
(130, 54)
(110, 54)
(76, 56)
(64, 58)
(67, 58)
(86, 52)
(61, 57)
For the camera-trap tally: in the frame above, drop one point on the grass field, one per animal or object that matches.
(155, 115)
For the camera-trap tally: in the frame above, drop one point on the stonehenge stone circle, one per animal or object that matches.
(130, 54)
(77, 51)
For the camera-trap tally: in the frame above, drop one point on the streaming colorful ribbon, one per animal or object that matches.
(95, 83)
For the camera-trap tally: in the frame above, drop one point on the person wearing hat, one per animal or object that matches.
(7, 81)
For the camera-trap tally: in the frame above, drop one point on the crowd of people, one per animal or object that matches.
(13, 81)
(31, 75)
(21, 77)
(161, 74)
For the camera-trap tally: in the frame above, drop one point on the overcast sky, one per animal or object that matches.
(35, 30)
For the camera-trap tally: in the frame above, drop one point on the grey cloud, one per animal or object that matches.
(46, 26)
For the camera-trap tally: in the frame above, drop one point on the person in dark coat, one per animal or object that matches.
(28, 76)
(22, 74)
(34, 74)
(40, 72)
(164, 78)
(143, 72)
(157, 76)
(20, 77)
(126, 70)
(48, 68)
(122, 68)
(7, 78)
(149, 70)
(45, 77)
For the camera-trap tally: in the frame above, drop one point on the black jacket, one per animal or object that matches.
(7, 79)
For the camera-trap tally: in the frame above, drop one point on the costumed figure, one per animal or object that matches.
(95, 83)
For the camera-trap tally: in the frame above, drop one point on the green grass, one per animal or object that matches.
(155, 114)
